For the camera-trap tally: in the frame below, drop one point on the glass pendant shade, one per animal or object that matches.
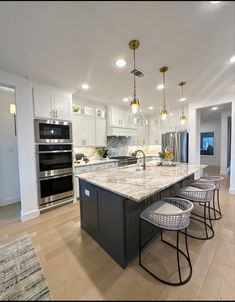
(183, 118)
(135, 116)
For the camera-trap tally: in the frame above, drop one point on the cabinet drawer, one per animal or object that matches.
(97, 167)
(79, 170)
(110, 165)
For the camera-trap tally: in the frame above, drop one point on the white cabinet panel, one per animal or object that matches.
(152, 132)
(89, 131)
(63, 105)
(78, 131)
(43, 103)
(100, 129)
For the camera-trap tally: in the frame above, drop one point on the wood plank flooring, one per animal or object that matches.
(78, 269)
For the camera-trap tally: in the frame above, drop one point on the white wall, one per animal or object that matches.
(224, 142)
(9, 170)
(212, 126)
(25, 141)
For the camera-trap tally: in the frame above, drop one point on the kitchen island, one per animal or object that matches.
(112, 200)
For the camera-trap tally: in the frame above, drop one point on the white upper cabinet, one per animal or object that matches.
(62, 106)
(78, 131)
(154, 132)
(49, 103)
(100, 128)
(89, 131)
(117, 116)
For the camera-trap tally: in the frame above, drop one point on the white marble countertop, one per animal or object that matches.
(138, 185)
(95, 162)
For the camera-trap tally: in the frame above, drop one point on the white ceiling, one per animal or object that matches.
(68, 43)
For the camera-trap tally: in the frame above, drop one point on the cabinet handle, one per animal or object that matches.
(56, 113)
(52, 113)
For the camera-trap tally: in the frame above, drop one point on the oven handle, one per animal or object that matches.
(58, 176)
(55, 151)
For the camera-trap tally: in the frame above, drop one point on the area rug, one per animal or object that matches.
(21, 276)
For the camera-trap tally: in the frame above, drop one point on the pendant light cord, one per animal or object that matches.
(164, 92)
(134, 78)
(182, 100)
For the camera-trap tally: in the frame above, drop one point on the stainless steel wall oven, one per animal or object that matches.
(55, 172)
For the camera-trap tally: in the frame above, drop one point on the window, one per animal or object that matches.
(207, 143)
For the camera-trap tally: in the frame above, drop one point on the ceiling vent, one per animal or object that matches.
(137, 73)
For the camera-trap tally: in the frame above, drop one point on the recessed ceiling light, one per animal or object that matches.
(120, 63)
(85, 86)
(126, 100)
(150, 107)
(214, 108)
(160, 86)
(232, 59)
(182, 99)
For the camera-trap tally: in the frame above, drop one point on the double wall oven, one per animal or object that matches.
(54, 155)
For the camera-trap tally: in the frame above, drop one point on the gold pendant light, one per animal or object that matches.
(135, 112)
(183, 118)
(164, 112)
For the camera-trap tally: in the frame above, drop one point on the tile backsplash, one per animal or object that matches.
(118, 146)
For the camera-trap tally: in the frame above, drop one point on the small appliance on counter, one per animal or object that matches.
(80, 156)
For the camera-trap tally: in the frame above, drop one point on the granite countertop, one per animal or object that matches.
(138, 185)
(95, 162)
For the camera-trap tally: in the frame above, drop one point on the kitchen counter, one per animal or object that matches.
(95, 162)
(139, 185)
(111, 202)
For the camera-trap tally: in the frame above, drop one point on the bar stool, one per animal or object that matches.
(214, 180)
(201, 193)
(172, 214)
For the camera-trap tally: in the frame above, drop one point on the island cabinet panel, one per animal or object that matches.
(112, 224)
(89, 207)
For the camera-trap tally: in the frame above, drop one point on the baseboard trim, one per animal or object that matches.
(10, 201)
(232, 190)
(223, 173)
(30, 215)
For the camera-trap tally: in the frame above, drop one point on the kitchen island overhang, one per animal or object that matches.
(112, 200)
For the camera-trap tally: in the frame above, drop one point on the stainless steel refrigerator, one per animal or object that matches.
(178, 143)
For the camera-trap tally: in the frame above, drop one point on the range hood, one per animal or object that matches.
(121, 131)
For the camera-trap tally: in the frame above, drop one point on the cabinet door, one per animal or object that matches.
(100, 130)
(63, 106)
(78, 131)
(140, 136)
(43, 102)
(152, 132)
(123, 116)
(145, 135)
(89, 131)
(114, 118)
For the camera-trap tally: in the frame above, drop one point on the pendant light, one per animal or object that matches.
(164, 112)
(183, 118)
(135, 112)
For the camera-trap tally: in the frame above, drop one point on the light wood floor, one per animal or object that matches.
(78, 269)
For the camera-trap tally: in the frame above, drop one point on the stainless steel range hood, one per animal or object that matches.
(121, 131)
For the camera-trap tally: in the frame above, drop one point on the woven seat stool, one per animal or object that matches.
(200, 193)
(172, 214)
(215, 180)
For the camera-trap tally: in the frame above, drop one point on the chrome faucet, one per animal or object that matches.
(144, 164)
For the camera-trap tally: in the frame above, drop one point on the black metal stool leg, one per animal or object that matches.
(205, 220)
(214, 205)
(140, 241)
(178, 260)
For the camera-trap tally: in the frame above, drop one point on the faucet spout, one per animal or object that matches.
(144, 162)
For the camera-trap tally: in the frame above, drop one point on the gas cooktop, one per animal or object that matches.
(125, 160)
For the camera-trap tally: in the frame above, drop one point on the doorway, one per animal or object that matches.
(215, 137)
(9, 170)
